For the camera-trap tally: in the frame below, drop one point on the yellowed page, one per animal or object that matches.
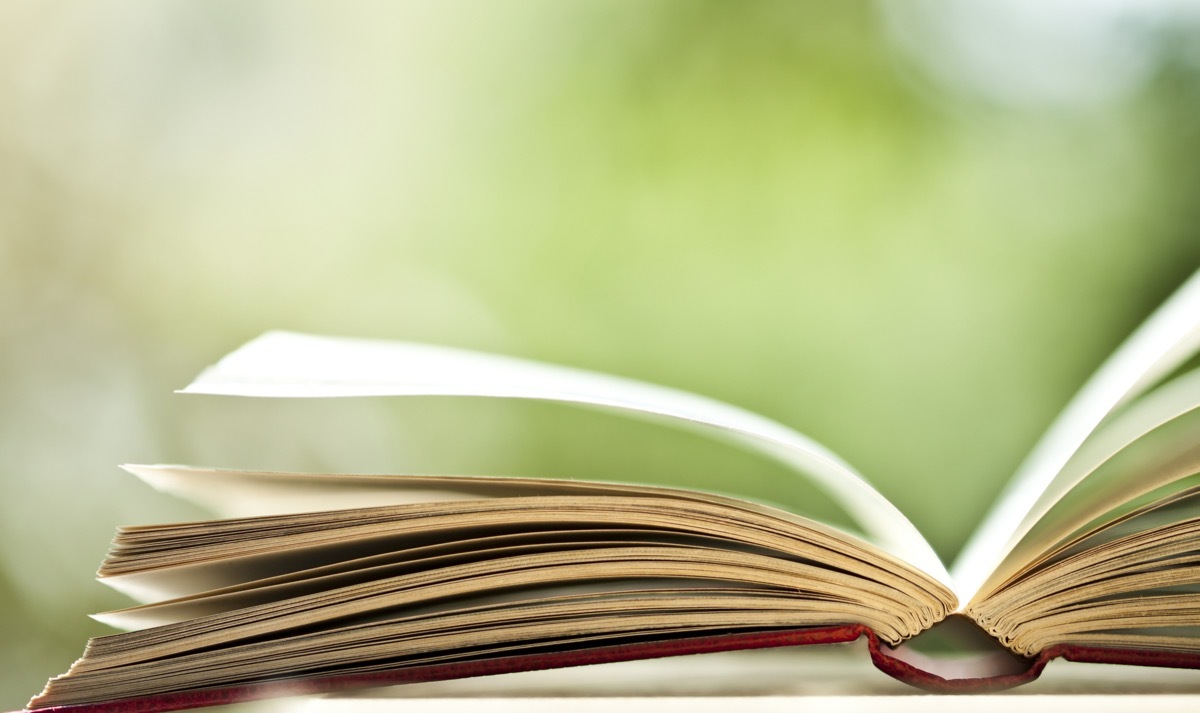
(1055, 515)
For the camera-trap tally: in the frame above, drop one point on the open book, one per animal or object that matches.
(323, 582)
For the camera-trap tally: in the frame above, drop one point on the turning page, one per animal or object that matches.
(283, 364)
(1164, 342)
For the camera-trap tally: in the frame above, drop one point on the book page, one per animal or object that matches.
(181, 559)
(282, 364)
(1157, 535)
(1054, 515)
(241, 494)
(1164, 342)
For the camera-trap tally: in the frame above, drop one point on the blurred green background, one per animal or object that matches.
(910, 231)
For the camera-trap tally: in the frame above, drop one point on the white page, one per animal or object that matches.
(1173, 400)
(283, 364)
(1164, 341)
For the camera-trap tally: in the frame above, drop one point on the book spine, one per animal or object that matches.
(885, 659)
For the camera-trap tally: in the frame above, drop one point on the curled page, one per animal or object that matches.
(284, 364)
(1164, 342)
(1173, 402)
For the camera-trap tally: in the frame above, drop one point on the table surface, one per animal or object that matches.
(826, 679)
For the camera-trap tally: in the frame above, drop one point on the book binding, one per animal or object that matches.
(886, 658)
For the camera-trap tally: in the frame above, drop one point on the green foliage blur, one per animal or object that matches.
(822, 211)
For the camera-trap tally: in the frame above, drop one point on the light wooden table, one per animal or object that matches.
(820, 679)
